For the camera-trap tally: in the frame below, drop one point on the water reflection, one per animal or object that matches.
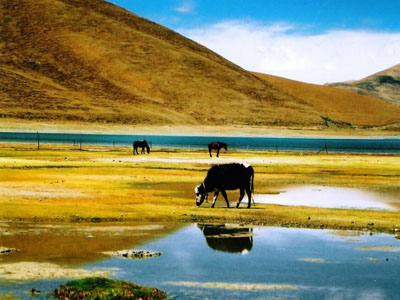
(334, 197)
(228, 238)
(75, 244)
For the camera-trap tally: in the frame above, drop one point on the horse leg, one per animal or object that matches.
(215, 198)
(248, 192)
(240, 197)
(225, 197)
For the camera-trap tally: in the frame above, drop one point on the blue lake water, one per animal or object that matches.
(348, 145)
(233, 262)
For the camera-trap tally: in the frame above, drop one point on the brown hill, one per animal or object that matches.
(91, 61)
(384, 85)
(336, 105)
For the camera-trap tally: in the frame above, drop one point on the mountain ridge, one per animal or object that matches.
(384, 85)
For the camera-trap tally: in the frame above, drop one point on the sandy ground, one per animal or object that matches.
(381, 248)
(234, 286)
(196, 160)
(312, 260)
(33, 271)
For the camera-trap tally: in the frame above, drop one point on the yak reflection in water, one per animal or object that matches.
(228, 238)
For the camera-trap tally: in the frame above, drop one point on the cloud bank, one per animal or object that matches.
(277, 49)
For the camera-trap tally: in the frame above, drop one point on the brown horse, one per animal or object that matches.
(217, 146)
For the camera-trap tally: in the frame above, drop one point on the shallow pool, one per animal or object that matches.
(334, 197)
(235, 262)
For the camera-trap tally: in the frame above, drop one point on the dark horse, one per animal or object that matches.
(217, 146)
(140, 144)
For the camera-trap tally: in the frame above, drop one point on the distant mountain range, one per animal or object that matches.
(384, 85)
(89, 61)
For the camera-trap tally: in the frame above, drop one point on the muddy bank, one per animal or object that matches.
(5, 250)
(75, 243)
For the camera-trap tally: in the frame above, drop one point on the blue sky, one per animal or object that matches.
(306, 32)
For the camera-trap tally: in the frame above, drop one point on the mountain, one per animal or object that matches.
(338, 108)
(89, 61)
(384, 85)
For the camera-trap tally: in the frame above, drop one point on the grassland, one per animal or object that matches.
(104, 184)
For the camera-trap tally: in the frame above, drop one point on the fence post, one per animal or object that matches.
(38, 140)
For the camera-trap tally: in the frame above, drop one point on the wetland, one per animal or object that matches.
(324, 225)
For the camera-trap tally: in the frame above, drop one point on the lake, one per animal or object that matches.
(345, 145)
(223, 261)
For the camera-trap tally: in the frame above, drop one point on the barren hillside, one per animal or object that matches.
(90, 61)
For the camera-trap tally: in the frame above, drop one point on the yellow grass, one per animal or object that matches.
(65, 185)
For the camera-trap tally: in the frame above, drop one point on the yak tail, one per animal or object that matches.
(252, 189)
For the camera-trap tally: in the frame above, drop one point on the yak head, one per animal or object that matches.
(201, 194)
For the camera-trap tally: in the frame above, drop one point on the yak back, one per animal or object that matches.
(228, 177)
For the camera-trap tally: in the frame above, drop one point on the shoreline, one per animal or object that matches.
(190, 130)
(364, 223)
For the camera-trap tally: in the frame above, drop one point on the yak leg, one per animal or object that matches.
(209, 151)
(240, 197)
(218, 152)
(225, 197)
(215, 198)
(248, 192)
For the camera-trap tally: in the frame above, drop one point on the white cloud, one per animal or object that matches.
(185, 8)
(277, 49)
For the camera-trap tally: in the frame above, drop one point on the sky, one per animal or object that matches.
(315, 41)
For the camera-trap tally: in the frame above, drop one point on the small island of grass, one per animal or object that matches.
(106, 289)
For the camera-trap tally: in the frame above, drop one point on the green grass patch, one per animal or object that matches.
(100, 288)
